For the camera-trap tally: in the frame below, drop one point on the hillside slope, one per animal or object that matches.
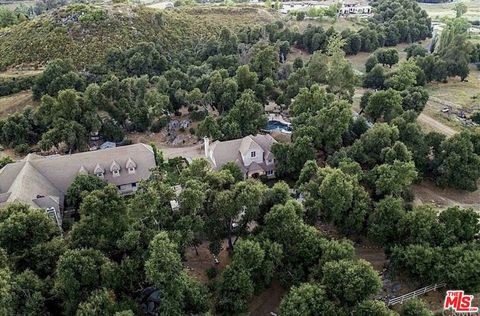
(84, 32)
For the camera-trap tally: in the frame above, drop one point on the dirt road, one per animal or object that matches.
(435, 125)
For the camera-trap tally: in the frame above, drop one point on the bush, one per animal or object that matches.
(15, 85)
(301, 16)
(198, 115)
(126, 141)
(192, 130)
(159, 124)
(22, 149)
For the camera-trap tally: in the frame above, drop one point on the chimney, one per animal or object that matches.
(206, 146)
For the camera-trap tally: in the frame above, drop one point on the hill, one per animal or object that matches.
(84, 32)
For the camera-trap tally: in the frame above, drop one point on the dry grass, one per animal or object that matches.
(437, 11)
(358, 61)
(16, 73)
(460, 95)
(16, 102)
(339, 24)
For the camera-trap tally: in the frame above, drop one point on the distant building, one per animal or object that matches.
(42, 182)
(354, 7)
(252, 154)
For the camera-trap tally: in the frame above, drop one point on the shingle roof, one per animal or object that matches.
(50, 176)
(230, 151)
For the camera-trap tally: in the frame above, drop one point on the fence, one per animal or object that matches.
(414, 294)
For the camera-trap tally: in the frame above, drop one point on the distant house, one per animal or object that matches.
(353, 7)
(42, 182)
(252, 154)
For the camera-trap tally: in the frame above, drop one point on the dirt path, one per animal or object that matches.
(435, 125)
(427, 192)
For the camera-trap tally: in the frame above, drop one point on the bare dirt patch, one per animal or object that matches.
(268, 301)
(197, 265)
(431, 124)
(428, 192)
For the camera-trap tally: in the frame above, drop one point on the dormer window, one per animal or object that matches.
(115, 169)
(253, 154)
(131, 166)
(99, 171)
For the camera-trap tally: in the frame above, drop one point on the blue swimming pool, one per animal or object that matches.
(276, 125)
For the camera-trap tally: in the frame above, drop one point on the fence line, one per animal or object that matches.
(414, 294)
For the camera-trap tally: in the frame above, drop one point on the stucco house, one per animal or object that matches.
(43, 181)
(252, 154)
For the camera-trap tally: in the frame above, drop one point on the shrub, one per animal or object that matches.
(22, 149)
(126, 141)
(159, 124)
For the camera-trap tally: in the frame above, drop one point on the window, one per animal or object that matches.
(269, 172)
(253, 154)
(131, 170)
(99, 174)
(116, 173)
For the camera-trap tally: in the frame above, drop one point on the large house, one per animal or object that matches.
(252, 154)
(42, 182)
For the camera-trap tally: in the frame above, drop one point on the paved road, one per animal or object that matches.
(435, 125)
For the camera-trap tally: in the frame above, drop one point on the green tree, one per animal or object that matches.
(165, 270)
(458, 163)
(371, 62)
(99, 302)
(375, 78)
(420, 226)
(384, 105)
(82, 185)
(308, 299)
(58, 75)
(234, 290)
(25, 233)
(415, 307)
(462, 225)
(387, 56)
(103, 221)
(394, 178)
(350, 281)
(373, 308)
(246, 79)
(248, 113)
(382, 222)
(209, 128)
(79, 272)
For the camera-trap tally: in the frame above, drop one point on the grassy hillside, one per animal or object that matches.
(84, 32)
